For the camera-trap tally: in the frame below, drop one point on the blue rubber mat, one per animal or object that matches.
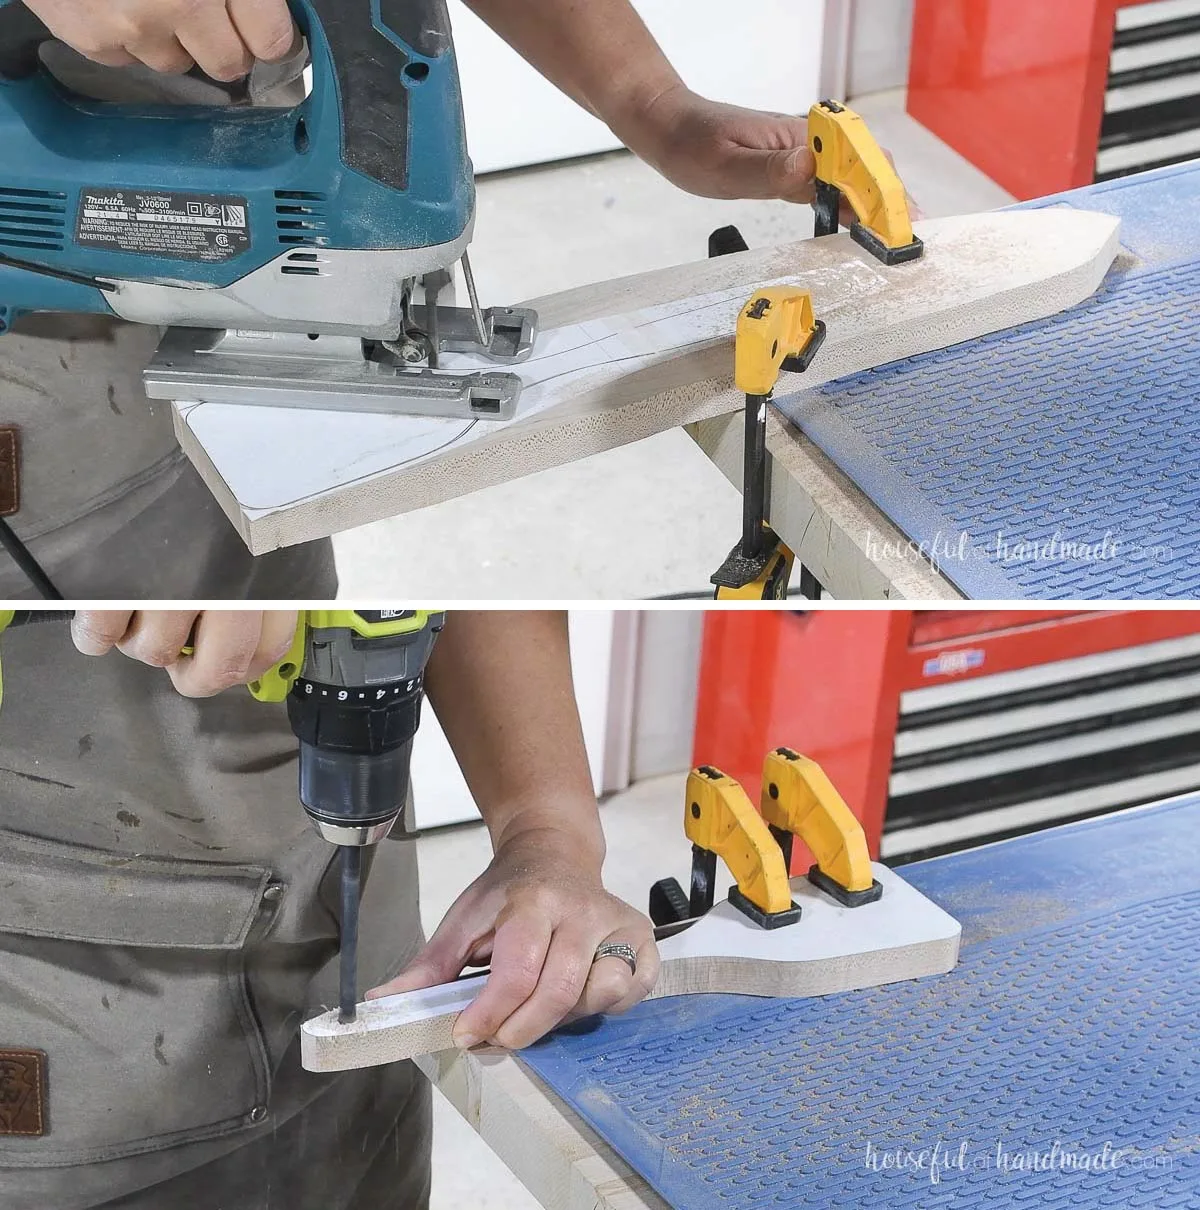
(1058, 1065)
(1057, 460)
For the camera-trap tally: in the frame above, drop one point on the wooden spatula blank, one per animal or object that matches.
(623, 360)
(831, 949)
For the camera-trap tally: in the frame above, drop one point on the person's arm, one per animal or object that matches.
(600, 53)
(501, 685)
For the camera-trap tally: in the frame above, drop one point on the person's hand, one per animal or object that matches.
(223, 38)
(725, 151)
(538, 916)
(230, 647)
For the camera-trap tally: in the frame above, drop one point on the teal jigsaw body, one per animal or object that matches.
(240, 216)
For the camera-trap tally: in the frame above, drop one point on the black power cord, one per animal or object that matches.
(24, 559)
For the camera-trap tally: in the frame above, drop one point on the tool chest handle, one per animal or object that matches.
(21, 34)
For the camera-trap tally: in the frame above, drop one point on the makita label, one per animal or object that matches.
(951, 663)
(204, 227)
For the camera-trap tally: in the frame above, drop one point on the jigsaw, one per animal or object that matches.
(297, 257)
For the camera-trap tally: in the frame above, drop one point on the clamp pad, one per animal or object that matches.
(765, 577)
(867, 239)
(845, 897)
(766, 920)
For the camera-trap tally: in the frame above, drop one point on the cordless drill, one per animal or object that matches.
(354, 682)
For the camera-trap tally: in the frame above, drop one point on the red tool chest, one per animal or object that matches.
(925, 716)
(1049, 95)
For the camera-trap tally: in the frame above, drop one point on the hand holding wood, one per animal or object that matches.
(831, 949)
(539, 918)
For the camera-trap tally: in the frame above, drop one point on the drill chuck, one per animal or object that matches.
(355, 751)
(353, 798)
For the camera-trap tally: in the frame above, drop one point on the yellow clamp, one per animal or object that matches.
(776, 330)
(850, 161)
(721, 819)
(798, 798)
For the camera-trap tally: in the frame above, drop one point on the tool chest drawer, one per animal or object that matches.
(1152, 104)
(945, 729)
(976, 760)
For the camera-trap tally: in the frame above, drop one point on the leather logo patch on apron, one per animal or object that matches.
(23, 1092)
(10, 470)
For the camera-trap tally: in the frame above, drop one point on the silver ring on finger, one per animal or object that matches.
(618, 949)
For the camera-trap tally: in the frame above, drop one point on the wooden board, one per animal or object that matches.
(832, 949)
(623, 360)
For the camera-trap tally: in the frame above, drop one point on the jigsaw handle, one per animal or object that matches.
(373, 51)
(377, 61)
(21, 34)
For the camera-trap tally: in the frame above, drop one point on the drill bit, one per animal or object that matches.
(351, 898)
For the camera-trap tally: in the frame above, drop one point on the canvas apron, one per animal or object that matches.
(109, 504)
(167, 916)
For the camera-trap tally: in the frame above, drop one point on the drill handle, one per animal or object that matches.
(12, 619)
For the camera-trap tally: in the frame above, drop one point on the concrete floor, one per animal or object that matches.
(580, 532)
(638, 825)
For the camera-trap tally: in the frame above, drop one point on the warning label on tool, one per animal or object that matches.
(182, 226)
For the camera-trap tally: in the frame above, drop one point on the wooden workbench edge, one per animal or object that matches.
(836, 532)
(556, 1156)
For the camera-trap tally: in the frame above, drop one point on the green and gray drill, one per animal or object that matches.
(353, 681)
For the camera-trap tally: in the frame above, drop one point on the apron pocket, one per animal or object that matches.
(129, 974)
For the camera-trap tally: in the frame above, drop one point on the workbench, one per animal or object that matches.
(1057, 1065)
(1057, 460)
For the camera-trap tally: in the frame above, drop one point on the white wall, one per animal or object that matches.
(664, 710)
(880, 45)
(766, 55)
(604, 648)
(636, 675)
